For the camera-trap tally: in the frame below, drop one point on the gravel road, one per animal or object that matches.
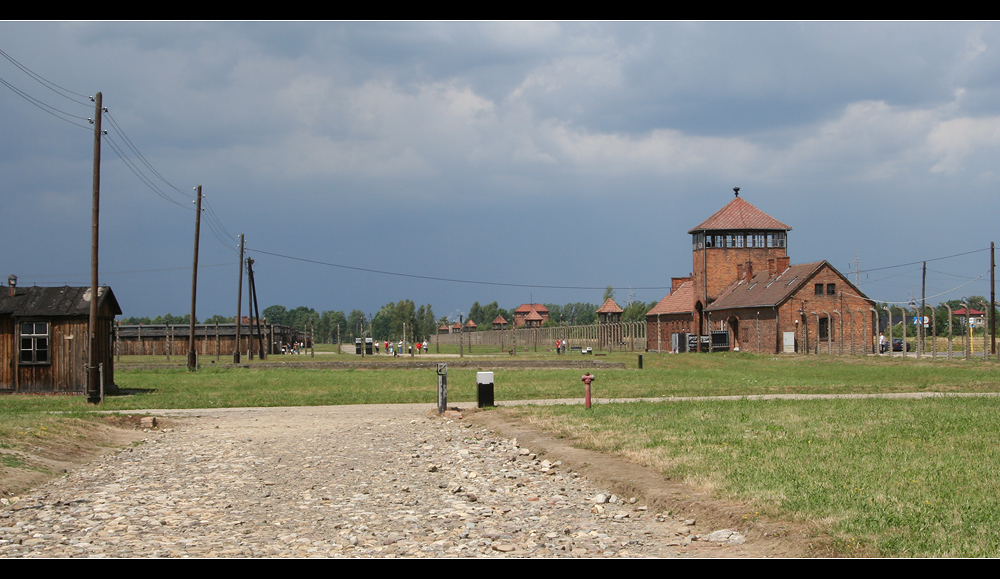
(341, 481)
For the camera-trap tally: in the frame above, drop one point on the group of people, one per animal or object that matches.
(395, 350)
(561, 346)
(295, 348)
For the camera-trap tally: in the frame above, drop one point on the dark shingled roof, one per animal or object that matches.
(740, 215)
(765, 291)
(53, 301)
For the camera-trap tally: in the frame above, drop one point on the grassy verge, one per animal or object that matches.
(663, 376)
(889, 477)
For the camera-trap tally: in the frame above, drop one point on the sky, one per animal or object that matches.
(543, 161)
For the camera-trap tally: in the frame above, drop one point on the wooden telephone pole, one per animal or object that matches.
(239, 307)
(192, 355)
(93, 372)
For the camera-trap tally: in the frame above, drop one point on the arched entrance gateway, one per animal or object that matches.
(741, 271)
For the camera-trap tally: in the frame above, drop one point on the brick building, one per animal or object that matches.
(530, 315)
(744, 294)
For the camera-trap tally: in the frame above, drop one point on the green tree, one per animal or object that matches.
(476, 313)
(331, 324)
(356, 324)
(220, 319)
(275, 314)
(636, 311)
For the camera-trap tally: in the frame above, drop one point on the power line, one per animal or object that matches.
(142, 158)
(29, 277)
(138, 172)
(444, 279)
(45, 107)
(46, 83)
(923, 260)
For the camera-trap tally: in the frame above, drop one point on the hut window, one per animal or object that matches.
(34, 343)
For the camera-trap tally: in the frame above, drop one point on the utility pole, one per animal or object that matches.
(993, 302)
(192, 356)
(239, 307)
(255, 312)
(93, 372)
(923, 306)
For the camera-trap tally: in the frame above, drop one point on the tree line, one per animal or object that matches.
(404, 319)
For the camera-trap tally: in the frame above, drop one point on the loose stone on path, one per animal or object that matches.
(347, 481)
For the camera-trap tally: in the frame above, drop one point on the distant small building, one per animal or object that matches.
(44, 338)
(977, 319)
(609, 312)
(533, 320)
(536, 314)
(499, 323)
(609, 316)
(470, 326)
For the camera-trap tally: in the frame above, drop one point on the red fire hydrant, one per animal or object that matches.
(587, 378)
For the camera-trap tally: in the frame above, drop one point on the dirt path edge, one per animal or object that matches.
(765, 537)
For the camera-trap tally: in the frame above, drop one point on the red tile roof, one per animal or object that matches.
(739, 214)
(609, 307)
(499, 320)
(525, 308)
(533, 316)
(961, 312)
(680, 301)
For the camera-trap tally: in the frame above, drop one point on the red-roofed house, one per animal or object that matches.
(977, 318)
(525, 311)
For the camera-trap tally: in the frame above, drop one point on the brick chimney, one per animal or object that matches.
(11, 284)
(676, 282)
(772, 267)
(783, 263)
(748, 268)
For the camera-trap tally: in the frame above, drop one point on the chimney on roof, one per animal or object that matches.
(676, 282)
(12, 283)
(772, 267)
(783, 263)
(749, 271)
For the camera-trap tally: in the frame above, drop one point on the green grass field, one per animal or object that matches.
(886, 477)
